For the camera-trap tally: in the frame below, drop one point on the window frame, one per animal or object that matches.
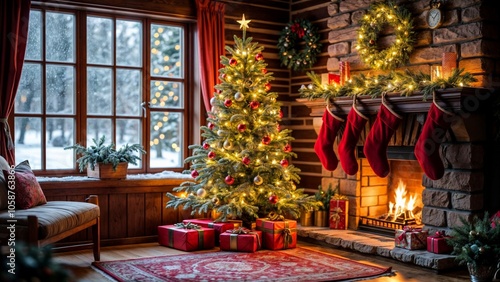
(191, 101)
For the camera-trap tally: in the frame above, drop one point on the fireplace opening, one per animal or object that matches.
(392, 202)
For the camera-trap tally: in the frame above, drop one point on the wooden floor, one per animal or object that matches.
(78, 262)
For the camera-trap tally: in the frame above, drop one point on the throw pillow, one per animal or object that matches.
(28, 190)
(3, 184)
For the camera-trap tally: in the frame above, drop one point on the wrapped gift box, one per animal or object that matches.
(338, 213)
(277, 234)
(219, 227)
(437, 244)
(186, 237)
(411, 238)
(241, 240)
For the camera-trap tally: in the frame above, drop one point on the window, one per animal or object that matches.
(87, 75)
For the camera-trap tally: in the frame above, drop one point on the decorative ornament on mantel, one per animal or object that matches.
(290, 41)
(372, 23)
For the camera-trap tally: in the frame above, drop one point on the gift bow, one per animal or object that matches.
(339, 197)
(274, 216)
(188, 225)
(440, 234)
(335, 216)
(287, 240)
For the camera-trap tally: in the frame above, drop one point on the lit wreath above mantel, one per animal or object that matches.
(372, 23)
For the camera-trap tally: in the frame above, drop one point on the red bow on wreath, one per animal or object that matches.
(296, 28)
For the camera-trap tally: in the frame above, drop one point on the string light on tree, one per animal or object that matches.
(244, 154)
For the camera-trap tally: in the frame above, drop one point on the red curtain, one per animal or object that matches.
(211, 41)
(14, 19)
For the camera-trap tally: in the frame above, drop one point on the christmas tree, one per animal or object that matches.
(243, 168)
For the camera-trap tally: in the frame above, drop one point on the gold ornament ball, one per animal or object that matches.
(258, 180)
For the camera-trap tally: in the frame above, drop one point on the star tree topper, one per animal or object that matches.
(244, 24)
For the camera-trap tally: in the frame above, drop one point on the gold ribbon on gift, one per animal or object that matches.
(287, 233)
(335, 215)
(233, 238)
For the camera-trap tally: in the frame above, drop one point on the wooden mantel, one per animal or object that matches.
(465, 99)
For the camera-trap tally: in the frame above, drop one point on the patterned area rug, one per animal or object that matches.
(297, 264)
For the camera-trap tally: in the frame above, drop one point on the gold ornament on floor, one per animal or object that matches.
(372, 23)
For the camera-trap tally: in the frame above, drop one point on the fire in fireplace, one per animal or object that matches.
(399, 198)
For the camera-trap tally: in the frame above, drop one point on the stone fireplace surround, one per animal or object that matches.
(467, 187)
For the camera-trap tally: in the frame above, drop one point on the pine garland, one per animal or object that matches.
(406, 83)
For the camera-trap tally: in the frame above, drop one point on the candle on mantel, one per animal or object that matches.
(345, 72)
(449, 63)
(436, 72)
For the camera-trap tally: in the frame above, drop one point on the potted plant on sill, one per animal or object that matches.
(104, 161)
(477, 244)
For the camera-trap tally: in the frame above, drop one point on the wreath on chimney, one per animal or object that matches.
(377, 17)
(299, 45)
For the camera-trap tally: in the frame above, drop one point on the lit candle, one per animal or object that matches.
(449, 63)
(345, 72)
(436, 72)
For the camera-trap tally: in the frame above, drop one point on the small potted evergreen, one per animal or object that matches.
(321, 215)
(477, 244)
(104, 161)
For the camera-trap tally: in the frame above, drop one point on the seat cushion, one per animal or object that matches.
(58, 216)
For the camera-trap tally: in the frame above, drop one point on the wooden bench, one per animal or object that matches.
(46, 224)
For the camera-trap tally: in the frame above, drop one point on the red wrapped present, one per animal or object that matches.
(338, 213)
(186, 237)
(219, 227)
(241, 240)
(437, 243)
(277, 234)
(411, 238)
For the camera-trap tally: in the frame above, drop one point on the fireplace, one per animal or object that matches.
(465, 190)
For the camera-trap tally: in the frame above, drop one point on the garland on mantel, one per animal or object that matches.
(406, 83)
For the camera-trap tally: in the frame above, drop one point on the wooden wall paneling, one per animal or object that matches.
(135, 214)
(153, 213)
(117, 216)
(104, 209)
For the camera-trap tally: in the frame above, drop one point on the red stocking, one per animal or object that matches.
(376, 143)
(324, 145)
(355, 123)
(427, 147)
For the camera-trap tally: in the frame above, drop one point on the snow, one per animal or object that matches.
(160, 175)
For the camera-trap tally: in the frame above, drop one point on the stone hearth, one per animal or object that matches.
(375, 245)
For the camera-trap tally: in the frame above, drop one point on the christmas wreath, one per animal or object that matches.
(372, 23)
(298, 45)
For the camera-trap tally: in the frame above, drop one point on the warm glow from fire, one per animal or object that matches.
(402, 205)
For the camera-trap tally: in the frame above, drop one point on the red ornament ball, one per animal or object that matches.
(206, 146)
(242, 127)
(264, 71)
(228, 103)
(229, 180)
(233, 62)
(280, 114)
(223, 76)
(266, 140)
(288, 148)
(259, 57)
(245, 160)
(278, 127)
(211, 125)
(218, 91)
(194, 173)
(211, 155)
(268, 86)
(372, 42)
(254, 105)
(273, 199)
(284, 163)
